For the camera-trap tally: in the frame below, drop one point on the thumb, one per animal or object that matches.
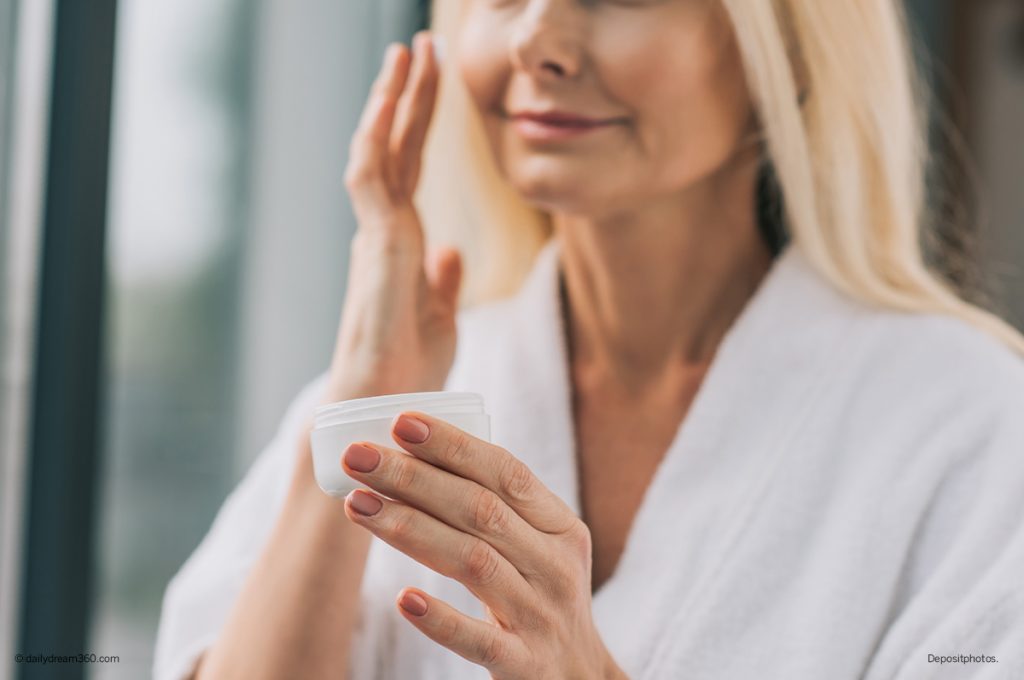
(444, 273)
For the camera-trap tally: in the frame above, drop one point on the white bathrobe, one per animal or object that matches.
(844, 498)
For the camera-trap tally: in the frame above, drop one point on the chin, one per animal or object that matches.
(555, 189)
(555, 197)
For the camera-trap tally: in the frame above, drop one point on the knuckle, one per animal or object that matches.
(456, 450)
(480, 564)
(400, 526)
(492, 650)
(404, 475)
(566, 578)
(450, 629)
(516, 479)
(579, 539)
(488, 514)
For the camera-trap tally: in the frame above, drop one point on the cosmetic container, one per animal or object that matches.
(368, 419)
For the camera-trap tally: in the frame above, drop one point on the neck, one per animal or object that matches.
(651, 290)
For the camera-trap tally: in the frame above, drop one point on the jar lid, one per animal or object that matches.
(389, 405)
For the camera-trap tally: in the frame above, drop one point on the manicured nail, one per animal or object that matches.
(361, 458)
(412, 430)
(413, 603)
(364, 503)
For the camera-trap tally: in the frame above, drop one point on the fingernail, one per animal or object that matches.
(364, 503)
(438, 41)
(412, 430)
(413, 603)
(361, 458)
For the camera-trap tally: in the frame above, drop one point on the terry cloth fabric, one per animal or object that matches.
(844, 499)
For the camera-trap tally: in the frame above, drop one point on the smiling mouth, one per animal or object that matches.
(557, 127)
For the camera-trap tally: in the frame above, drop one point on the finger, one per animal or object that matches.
(415, 111)
(480, 642)
(437, 546)
(369, 151)
(444, 274)
(458, 502)
(492, 467)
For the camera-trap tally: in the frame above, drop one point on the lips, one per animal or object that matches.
(561, 119)
(553, 126)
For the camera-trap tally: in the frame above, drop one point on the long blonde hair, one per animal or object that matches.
(843, 114)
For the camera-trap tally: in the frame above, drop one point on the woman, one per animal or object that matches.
(725, 446)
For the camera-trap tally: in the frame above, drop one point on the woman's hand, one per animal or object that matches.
(397, 332)
(472, 511)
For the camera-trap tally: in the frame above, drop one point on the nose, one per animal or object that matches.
(545, 41)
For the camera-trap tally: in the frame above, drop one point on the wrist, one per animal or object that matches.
(312, 513)
(305, 499)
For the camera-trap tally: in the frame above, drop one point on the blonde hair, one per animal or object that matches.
(843, 114)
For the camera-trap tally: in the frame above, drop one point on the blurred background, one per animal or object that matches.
(173, 249)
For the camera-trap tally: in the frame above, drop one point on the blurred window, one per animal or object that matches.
(227, 252)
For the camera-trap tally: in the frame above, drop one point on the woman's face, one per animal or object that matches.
(664, 76)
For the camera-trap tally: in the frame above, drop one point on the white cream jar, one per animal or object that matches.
(368, 419)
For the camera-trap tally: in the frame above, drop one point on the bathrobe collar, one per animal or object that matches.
(764, 377)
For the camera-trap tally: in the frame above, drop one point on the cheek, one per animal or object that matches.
(689, 99)
(482, 63)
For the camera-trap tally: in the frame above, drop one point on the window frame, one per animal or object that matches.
(64, 438)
